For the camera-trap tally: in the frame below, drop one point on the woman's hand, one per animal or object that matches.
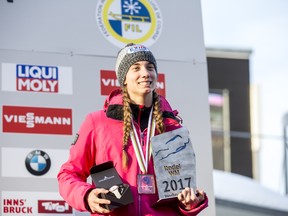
(189, 199)
(95, 202)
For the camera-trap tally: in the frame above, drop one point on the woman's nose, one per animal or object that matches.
(145, 72)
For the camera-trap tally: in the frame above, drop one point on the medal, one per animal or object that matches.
(146, 184)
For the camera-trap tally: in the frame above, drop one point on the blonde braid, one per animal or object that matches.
(126, 127)
(157, 113)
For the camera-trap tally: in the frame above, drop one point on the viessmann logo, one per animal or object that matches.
(109, 82)
(18, 119)
(36, 78)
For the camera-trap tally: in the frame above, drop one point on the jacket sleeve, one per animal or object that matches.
(72, 177)
(195, 211)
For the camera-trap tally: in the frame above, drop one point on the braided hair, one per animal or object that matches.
(127, 118)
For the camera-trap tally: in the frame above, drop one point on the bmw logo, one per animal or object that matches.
(38, 162)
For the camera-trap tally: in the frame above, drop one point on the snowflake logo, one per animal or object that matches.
(131, 6)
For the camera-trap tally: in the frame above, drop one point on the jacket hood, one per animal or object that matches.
(113, 106)
(115, 97)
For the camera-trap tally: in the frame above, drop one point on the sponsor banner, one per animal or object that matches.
(161, 86)
(109, 82)
(38, 120)
(122, 22)
(36, 78)
(38, 162)
(26, 162)
(33, 203)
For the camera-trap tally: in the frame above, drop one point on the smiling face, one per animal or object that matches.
(141, 80)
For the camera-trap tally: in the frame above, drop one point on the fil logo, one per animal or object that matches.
(17, 119)
(109, 82)
(121, 22)
(54, 207)
(36, 78)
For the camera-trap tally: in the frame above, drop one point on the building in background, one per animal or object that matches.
(229, 84)
(233, 102)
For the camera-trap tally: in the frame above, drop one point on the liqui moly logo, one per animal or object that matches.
(36, 78)
(38, 120)
(54, 207)
(109, 82)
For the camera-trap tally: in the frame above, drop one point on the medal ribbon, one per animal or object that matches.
(143, 161)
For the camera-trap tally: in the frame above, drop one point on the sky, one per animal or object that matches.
(262, 27)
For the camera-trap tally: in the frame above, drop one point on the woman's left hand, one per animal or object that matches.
(189, 199)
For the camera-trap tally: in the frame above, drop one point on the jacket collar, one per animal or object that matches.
(113, 106)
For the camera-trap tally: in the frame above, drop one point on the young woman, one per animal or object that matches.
(107, 135)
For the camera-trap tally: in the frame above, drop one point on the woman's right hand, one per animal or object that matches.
(94, 201)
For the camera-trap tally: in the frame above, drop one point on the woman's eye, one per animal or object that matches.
(151, 67)
(136, 68)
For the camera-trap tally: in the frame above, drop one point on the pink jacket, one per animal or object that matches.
(99, 140)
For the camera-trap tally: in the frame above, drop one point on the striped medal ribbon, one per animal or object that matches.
(143, 161)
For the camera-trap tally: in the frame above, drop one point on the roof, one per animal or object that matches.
(228, 53)
(244, 190)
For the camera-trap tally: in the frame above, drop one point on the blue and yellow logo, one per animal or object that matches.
(126, 21)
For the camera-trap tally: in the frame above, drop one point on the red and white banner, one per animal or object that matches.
(109, 82)
(33, 203)
(38, 120)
